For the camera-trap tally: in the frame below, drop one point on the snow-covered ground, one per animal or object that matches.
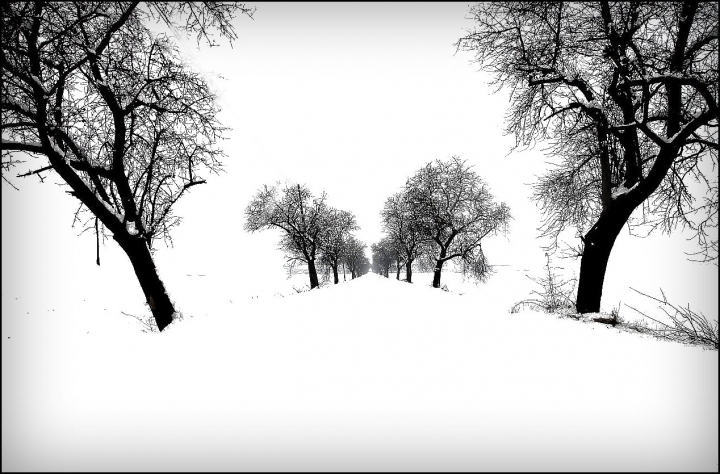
(370, 374)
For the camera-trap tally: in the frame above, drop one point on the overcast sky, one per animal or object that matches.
(349, 98)
(352, 99)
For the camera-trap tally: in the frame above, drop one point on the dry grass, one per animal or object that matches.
(686, 325)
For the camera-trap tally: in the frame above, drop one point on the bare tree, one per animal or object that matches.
(334, 237)
(302, 218)
(456, 211)
(404, 228)
(384, 253)
(626, 93)
(354, 257)
(90, 93)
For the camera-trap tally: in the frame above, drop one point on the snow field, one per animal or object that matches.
(366, 375)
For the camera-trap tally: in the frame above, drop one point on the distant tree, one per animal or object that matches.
(398, 260)
(92, 94)
(627, 92)
(383, 254)
(398, 256)
(456, 211)
(333, 239)
(354, 257)
(301, 217)
(404, 229)
(363, 265)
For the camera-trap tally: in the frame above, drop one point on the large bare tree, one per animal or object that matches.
(627, 94)
(455, 211)
(91, 93)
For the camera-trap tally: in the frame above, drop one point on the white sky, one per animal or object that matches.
(350, 98)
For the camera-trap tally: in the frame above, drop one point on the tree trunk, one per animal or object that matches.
(596, 253)
(335, 274)
(352, 273)
(313, 275)
(344, 278)
(397, 276)
(146, 272)
(408, 271)
(436, 273)
(438, 268)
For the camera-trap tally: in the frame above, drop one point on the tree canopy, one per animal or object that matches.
(626, 95)
(91, 93)
(455, 211)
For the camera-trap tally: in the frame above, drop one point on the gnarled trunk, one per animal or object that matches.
(436, 273)
(438, 268)
(155, 294)
(598, 244)
(313, 274)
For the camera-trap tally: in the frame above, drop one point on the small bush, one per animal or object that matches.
(685, 326)
(557, 295)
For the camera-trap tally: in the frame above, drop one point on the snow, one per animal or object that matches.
(111, 209)
(130, 226)
(594, 104)
(621, 190)
(365, 375)
(371, 374)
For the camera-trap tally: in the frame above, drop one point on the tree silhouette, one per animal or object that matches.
(627, 94)
(92, 94)
(334, 237)
(384, 254)
(455, 210)
(354, 257)
(403, 226)
(302, 218)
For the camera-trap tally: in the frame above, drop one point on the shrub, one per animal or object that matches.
(686, 326)
(557, 294)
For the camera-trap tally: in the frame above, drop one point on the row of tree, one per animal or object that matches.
(313, 233)
(441, 214)
(626, 93)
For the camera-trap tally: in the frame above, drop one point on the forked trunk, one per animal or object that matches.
(313, 275)
(599, 242)
(146, 272)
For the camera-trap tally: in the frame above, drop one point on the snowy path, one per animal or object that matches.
(372, 374)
